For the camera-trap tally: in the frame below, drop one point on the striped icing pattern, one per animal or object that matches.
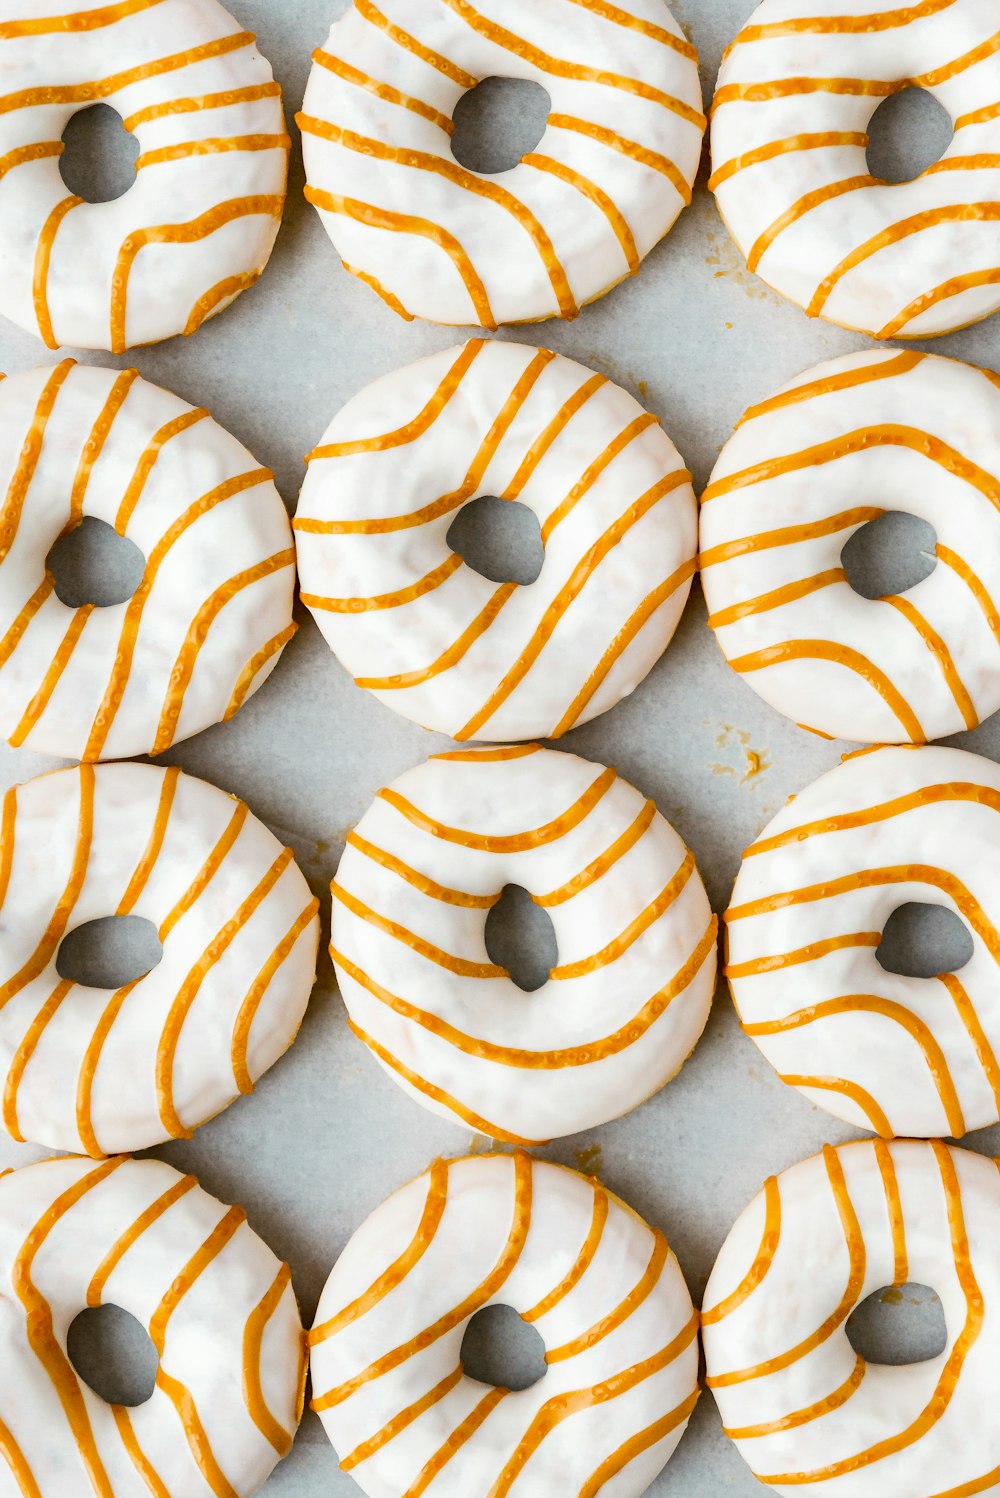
(197, 225)
(836, 448)
(613, 169)
(891, 1053)
(439, 642)
(636, 940)
(602, 1289)
(796, 94)
(807, 1413)
(214, 608)
(217, 1304)
(100, 1071)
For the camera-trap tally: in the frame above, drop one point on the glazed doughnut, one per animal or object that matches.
(601, 1287)
(631, 993)
(836, 448)
(574, 217)
(217, 1304)
(796, 95)
(434, 639)
(214, 609)
(91, 1070)
(897, 1054)
(197, 225)
(806, 1410)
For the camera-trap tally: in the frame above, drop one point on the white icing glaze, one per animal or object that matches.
(837, 447)
(205, 627)
(636, 941)
(197, 226)
(217, 1304)
(797, 91)
(807, 1413)
(575, 216)
(897, 1054)
(600, 1286)
(87, 1069)
(434, 639)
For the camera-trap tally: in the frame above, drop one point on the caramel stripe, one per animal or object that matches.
(809, 953)
(581, 1055)
(514, 842)
(391, 300)
(978, 116)
(799, 209)
(437, 1094)
(425, 228)
(790, 88)
(254, 666)
(814, 141)
(27, 463)
(23, 1054)
(616, 219)
(985, 1053)
(953, 287)
(197, 1438)
(894, 1209)
(609, 1323)
(441, 64)
(43, 260)
(635, 929)
(599, 466)
(349, 74)
(558, 68)
(950, 70)
(253, 1341)
(619, 17)
(402, 1420)
(625, 147)
(147, 862)
(497, 1277)
(777, 597)
(422, 882)
(36, 707)
(427, 584)
(226, 100)
(582, 1263)
(942, 655)
(212, 146)
(824, 1406)
(22, 155)
(951, 1373)
(189, 989)
(555, 428)
(417, 944)
(207, 871)
(7, 827)
(844, 25)
(187, 656)
(257, 991)
(629, 1450)
(919, 1032)
(17, 1462)
(851, 660)
(138, 1457)
(462, 1433)
(420, 424)
(602, 863)
(121, 669)
(879, 369)
(855, 1245)
(561, 1406)
(147, 462)
(114, 1256)
(862, 1099)
(450, 656)
(788, 535)
(930, 795)
(80, 20)
(397, 1271)
(95, 443)
(213, 1245)
(489, 756)
(763, 1259)
(453, 172)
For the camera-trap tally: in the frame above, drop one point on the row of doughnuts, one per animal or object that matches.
(615, 166)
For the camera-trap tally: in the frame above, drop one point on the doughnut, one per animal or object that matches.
(630, 996)
(434, 639)
(197, 225)
(213, 611)
(87, 1069)
(839, 446)
(216, 1303)
(805, 1410)
(797, 91)
(896, 1054)
(602, 1289)
(576, 215)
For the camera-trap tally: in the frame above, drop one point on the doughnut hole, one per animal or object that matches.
(898, 1324)
(93, 564)
(498, 538)
(521, 938)
(113, 1353)
(924, 941)
(502, 1349)
(98, 163)
(908, 132)
(110, 952)
(889, 555)
(497, 123)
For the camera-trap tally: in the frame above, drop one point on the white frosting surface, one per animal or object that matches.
(806, 1411)
(797, 90)
(599, 1285)
(197, 226)
(636, 941)
(217, 1304)
(897, 1054)
(576, 215)
(836, 448)
(436, 640)
(214, 609)
(92, 1070)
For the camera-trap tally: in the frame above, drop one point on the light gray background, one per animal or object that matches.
(327, 1135)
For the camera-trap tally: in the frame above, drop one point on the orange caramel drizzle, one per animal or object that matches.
(80, 20)
(405, 1418)
(146, 464)
(636, 928)
(462, 1433)
(422, 882)
(514, 842)
(815, 140)
(763, 1259)
(601, 200)
(894, 1209)
(224, 1231)
(851, 660)
(137, 1456)
(254, 666)
(197, 1438)
(868, 374)
(581, 1264)
(258, 989)
(350, 74)
(118, 1250)
(23, 1054)
(417, 944)
(636, 1445)
(882, 811)
(633, 149)
(825, 1406)
(436, 60)
(251, 94)
(391, 300)
(603, 862)
(643, 1288)
(211, 146)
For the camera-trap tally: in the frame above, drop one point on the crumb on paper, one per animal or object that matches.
(590, 1160)
(481, 1144)
(644, 388)
(757, 761)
